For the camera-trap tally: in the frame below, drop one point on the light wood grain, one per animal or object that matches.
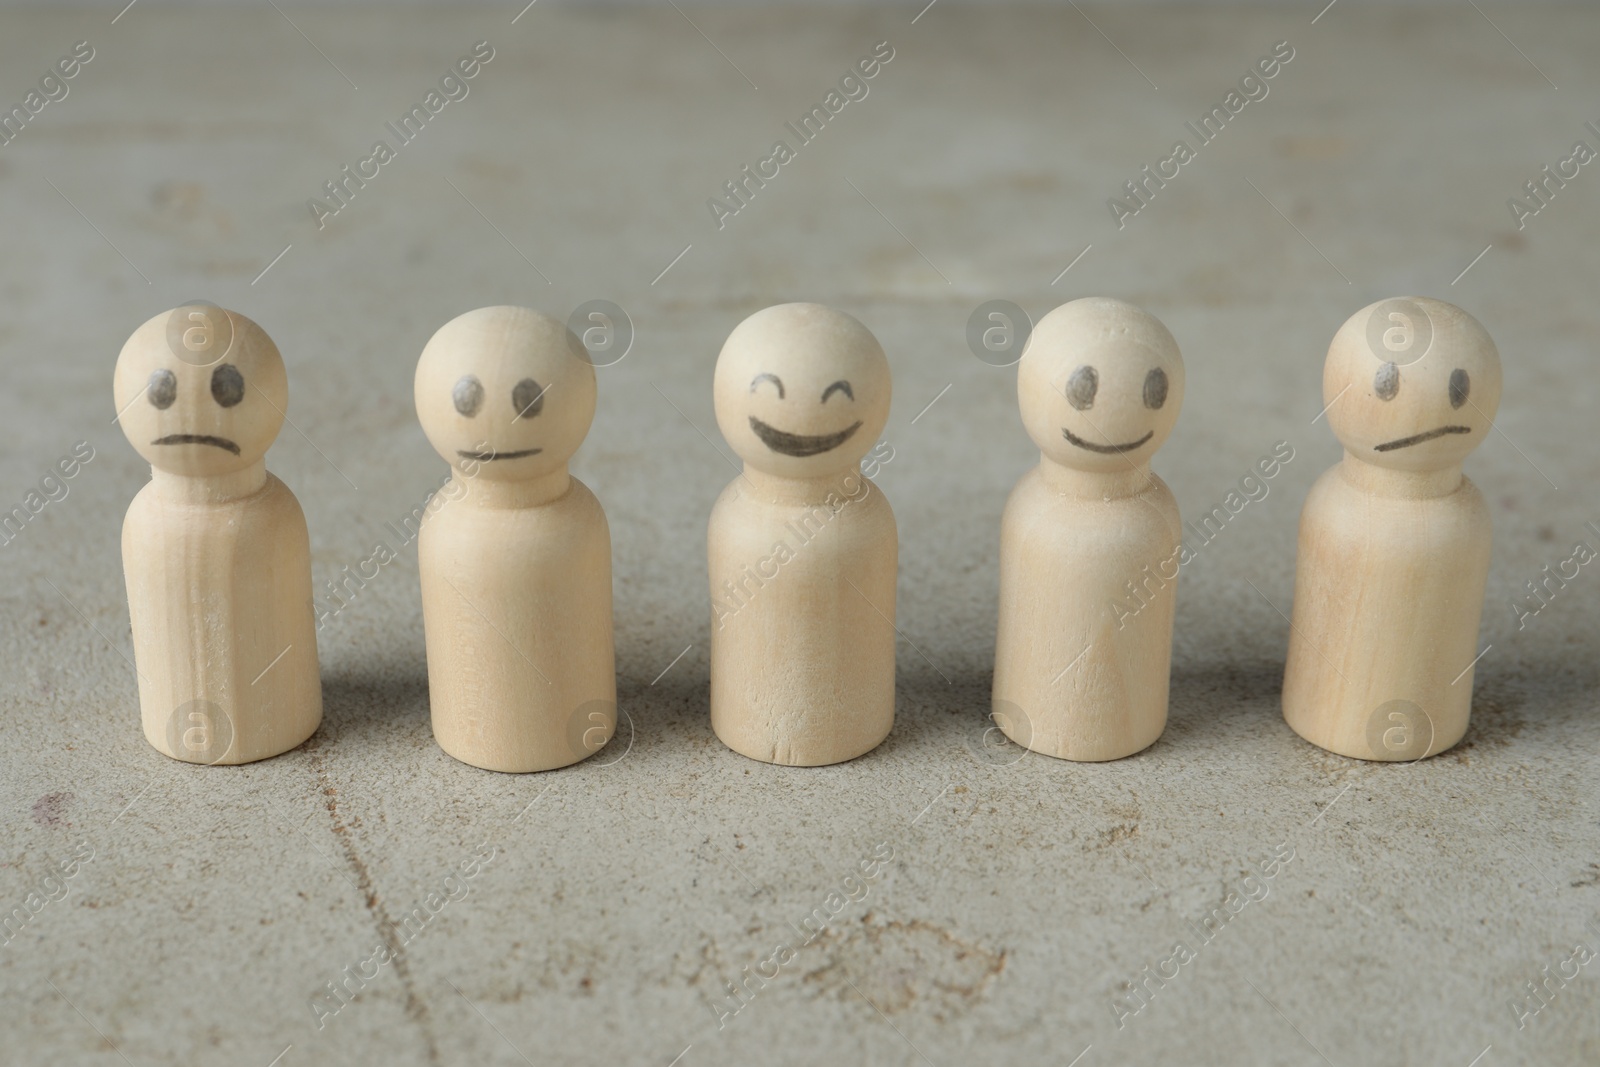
(1089, 542)
(803, 550)
(515, 554)
(1394, 540)
(215, 550)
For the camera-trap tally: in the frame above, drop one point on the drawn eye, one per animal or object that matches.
(840, 386)
(1081, 387)
(527, 399)
(1460, 386)
(164, 389)
(1155, 389)
(227, 385)
(1386, 383)
(468, 395)
(773, 378)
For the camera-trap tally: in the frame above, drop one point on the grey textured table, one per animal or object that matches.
(1014, 900)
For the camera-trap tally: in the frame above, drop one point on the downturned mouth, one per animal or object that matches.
(793, 444)
(1105, 449)
(484, 457)
(1418, 438)
(197, 439)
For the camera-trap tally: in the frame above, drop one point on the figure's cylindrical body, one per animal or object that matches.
(1083, 652)
(802, 630)
(516, 604)
(224, 631)
(1388, 594)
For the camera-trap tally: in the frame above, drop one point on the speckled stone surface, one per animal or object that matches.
(1013, 901)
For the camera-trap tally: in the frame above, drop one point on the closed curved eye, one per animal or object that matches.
(227, 385)
(840, 386)
(163, 389)
(468, 396)
(773, 378)
(1082, 386)
(1386, 383)
(528, 398)
(1460, 387)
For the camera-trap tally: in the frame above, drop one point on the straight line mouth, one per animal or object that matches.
(794, 444)
(1418, 438)
(1109, 450)
(484, 457)
(197, 439)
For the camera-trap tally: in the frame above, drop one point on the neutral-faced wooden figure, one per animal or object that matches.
(215, 549)
(514, 552)
(1089, 541)
(1394, 540)
(803, 549)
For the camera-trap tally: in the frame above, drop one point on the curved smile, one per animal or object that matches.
(1418, 438)
(484, 457)
(197, 439)
(1107, 449)
(794, 444)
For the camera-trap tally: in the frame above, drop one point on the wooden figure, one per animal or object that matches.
(1090, 538)
(803, 549)
(1394, 540)
(215, 549)
(514, 553)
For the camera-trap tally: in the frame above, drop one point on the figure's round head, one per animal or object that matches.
(201, 391)
(801, 390)
(1411, 383)
(505, 393)
(1100, 385)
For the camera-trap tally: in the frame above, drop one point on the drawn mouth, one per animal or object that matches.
(484, 457)
(794, 444)
(1418, 438)
(1105, 449)
(197, 439)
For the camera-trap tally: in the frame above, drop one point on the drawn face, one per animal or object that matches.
(201, 391)
(1411, 383)
(505, 393)
(801, 390)
(1100, 385)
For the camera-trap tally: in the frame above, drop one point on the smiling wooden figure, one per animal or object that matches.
(516, 557)
(215, 549)
(803, 548)
(1394, 540)
(1089, 542)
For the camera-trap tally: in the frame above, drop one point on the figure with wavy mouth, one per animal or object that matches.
(516, 563)
(1100, 384)
(1394, 540)
(216, 551)
(803, 673)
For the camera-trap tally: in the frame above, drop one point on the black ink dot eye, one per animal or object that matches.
(468, 395)
(840, 386)
(1386, 383)
(1460, 386)
(527, 398)
(227, 385)
(1155, 389)
(773, 378)
(1081, 387)
(164, 389)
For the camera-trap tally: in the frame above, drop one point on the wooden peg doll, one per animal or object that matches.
(1090, 538)
(1394, 540)
(515, 556)
(215, 549)
(802, 546)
